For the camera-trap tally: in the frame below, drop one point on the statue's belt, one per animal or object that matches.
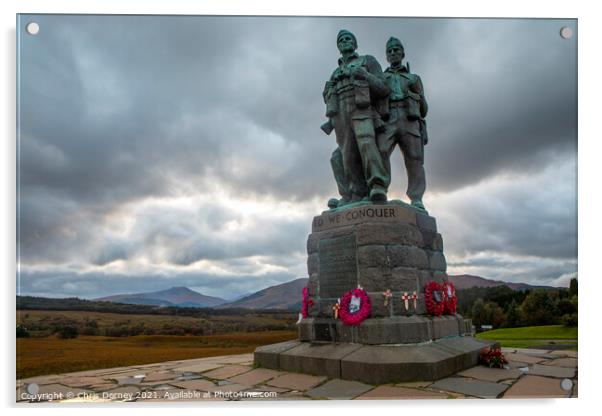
(397, 104)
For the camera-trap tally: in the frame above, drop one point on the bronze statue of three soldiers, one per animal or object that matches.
(371, 113)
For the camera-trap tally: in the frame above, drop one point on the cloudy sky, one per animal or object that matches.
(186, 151)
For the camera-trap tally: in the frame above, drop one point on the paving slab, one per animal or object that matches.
(491, 374)
(256, 376)
(516, 364)
(40, 380)
(400, 393)
(101, 371)
(295, 381)
(82, 381)
(161, 387)
(551, 371)
(536, 386)
(227, 371)
(338, 389)
(563, 362)
(227, 389)
(200, 384)
(523, 358)
(129, 380)
(197, 367)
(470, 387)
(565, 353)
(534, 351)
(188, 376)
(160, 376)
(415, 384)
(233, 359)
(101, 387)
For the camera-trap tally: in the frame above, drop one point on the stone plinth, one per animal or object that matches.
(374, 364)
(378, 247)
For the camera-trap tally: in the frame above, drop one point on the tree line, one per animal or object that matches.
(502, 307)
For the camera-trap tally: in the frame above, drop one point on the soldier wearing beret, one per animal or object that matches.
(354, 96)
(405, 125)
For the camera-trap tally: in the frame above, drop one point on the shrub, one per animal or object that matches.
(89, 330)
(569, 319)
(22, 332)
(68, 332)
(117, 331)
(539, 308)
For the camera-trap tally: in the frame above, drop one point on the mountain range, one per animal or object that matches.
(466, 281)
(175, 296)
(282, 296)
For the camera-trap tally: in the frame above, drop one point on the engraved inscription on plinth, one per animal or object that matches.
(338, 266)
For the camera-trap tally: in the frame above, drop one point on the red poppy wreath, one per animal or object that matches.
(433, 297)
(355, 307)
(306, 302)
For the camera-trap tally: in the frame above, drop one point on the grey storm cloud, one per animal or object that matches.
(118, 109)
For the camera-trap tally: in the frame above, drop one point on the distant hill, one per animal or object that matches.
(288, 295)
(282, 296)
(175, 296)
(467, 281)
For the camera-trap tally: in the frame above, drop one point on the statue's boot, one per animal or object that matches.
(337, 203)
(378, 195)
(417, 203)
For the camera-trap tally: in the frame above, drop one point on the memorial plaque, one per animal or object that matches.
(323, 332)
(338, 266)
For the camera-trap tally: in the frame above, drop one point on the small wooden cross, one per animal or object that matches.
(405, 299)
(335, 310)
(387, 295)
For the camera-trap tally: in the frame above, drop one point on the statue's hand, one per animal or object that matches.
(360, 73)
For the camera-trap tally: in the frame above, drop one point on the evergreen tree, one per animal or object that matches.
(539, 308)
(573, 287)
(513, 316)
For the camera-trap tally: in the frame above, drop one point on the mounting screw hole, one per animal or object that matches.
(566, 32)
(32, 28)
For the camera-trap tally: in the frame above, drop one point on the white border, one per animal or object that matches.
(589, 201)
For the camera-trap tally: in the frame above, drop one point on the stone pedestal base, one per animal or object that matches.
(377, 247)
(374, 364)
(380, 248)
(395, 330)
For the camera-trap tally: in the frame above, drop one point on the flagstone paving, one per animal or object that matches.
(529, 374)
(536, 386)
(552, 371)
(563, 362)
(257, 376)
(470, 387)
(491, 374)
(339, 389)
(387, 392)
